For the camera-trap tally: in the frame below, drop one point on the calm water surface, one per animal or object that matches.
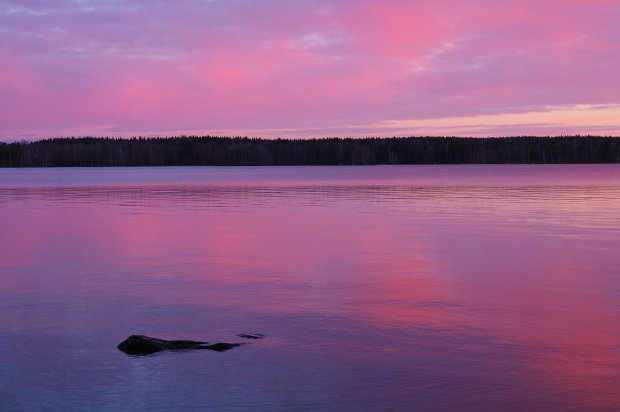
(378, 288)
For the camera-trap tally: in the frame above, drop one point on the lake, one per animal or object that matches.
(473, 287)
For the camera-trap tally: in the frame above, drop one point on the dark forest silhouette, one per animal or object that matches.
(221, 151)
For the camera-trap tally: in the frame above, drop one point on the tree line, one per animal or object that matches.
(243, 151)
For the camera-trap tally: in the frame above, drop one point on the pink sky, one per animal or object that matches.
(304, 68)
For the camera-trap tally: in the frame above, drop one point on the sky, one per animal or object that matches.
(308, 68)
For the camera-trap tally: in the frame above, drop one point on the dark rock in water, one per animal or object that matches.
(251, 336)
(140, 345)
(221, 347)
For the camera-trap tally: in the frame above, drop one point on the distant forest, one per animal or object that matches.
(221, 151)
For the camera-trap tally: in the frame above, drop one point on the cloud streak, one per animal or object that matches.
(310, 67)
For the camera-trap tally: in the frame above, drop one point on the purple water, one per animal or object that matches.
(378, 288)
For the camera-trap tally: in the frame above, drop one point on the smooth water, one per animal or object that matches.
(378, 288)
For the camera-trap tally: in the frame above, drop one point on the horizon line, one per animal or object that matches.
(267, 138)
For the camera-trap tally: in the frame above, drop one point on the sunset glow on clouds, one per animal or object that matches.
(303, 68)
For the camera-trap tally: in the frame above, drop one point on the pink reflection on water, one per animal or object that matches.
(509, 290)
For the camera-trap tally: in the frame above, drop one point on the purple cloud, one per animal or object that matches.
(282, 68)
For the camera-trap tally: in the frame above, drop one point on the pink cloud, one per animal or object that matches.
(127, 68)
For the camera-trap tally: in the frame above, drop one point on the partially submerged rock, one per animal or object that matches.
(251, 335)
(140, 345)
